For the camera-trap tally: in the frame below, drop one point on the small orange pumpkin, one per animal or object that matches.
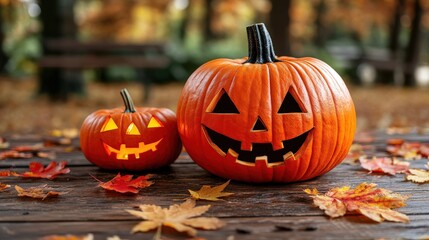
(134, 139)
(266, 118)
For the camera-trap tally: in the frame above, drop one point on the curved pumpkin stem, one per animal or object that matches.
(128, 101)
(260, 45)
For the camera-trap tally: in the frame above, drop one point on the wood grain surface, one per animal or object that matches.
(255, 211)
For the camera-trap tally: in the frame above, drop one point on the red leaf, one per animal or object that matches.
(50, 172)
(125, 184)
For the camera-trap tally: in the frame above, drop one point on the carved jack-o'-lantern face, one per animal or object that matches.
(132, 131)
(134, 139)
(266, 118)
(222, 106)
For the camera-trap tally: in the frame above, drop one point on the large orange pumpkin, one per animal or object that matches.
(266, 118)
(131, 139)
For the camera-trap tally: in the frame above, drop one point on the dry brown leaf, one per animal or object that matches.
(211, 193)
(418, 175)
(387, 165)
(3, 186)
(41, 192)
(182, 218)
(68, 237)
(366, 199)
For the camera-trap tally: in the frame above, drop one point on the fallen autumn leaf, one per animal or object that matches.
(41, 192)
(50, 172)
(387, 165)
(182, 218)
(366, 199)
(126, 183)
(211, 193)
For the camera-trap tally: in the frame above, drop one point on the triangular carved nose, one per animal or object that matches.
(259, 126)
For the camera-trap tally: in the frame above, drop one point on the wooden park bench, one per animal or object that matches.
(74, 55)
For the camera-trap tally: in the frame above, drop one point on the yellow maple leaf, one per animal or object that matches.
(418, 175)
(182, 218)
(366, 199)
(211, 193)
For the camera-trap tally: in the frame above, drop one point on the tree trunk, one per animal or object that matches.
(279, 26)
(412, 55)
(207, 29)
(320, 36)
(57, 19)
(3, 56)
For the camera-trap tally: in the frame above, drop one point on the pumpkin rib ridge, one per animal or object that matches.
(274, 67)
(297, 76)
(346, 131)
(332, 155)
(209, 78)
(313, 82)
(340, 118)
(224, 167)
(314, 161)
(221, 168)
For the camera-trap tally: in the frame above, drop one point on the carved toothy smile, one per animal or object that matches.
(124, 151)
(260, 151)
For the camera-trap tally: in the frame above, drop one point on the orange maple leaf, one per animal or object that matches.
(387, 165)
(50, 172)
(366, 199)
(126, 183)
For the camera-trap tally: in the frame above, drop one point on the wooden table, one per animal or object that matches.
(255, 211)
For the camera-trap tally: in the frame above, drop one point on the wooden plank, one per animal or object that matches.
(171, 186)
(314, 227)
(255, 211)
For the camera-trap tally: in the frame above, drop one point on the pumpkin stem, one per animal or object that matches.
(128, 101)
(260, 45)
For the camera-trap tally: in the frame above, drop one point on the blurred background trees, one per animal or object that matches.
(358, 37)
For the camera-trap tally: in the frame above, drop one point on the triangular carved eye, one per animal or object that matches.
(290, 105)
(224, 104)
(109, 125)
(259, 126)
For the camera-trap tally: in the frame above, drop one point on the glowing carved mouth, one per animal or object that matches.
(124, 151)
(260, 151)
